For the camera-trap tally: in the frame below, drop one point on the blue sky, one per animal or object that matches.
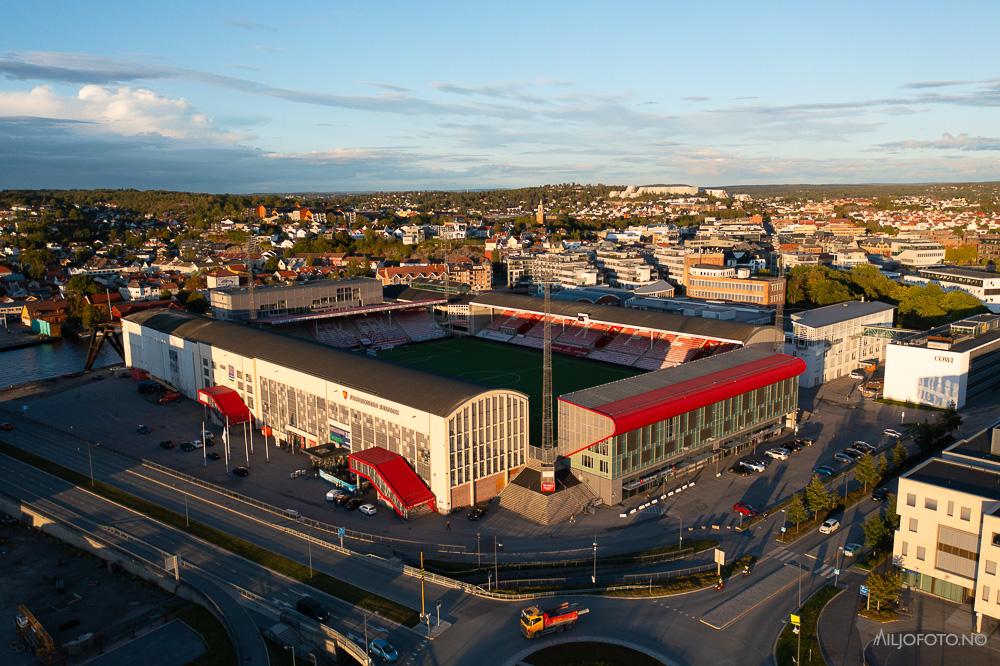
(336, 96)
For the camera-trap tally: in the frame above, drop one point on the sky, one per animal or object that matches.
(246, 96)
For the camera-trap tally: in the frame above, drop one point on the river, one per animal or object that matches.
(60, 357)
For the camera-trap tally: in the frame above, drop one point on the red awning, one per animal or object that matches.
(227, 402)
(400, 485)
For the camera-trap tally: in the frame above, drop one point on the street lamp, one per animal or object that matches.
(438, 604)
(292, 648)
(478, 552)
(784, 520)
(840, 560)
(593, 578)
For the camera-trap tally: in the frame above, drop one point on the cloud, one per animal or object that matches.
(919, 85)
(121, 110)
(696, 98)
(505, 91)
(946, 142)
(387, 86)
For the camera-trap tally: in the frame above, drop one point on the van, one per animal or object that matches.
(292, 513)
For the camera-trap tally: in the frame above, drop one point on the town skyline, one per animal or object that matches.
(255, 99)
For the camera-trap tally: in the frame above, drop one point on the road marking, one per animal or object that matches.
(810, 556)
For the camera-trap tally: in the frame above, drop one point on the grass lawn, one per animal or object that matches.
(502, 366)
(218, 649)
(788, 643)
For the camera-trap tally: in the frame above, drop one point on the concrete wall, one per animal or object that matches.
(935, 377)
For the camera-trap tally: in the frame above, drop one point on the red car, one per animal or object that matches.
(168, 397)
(744, 509)
(6, 426)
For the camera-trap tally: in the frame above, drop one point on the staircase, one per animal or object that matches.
(522, 497)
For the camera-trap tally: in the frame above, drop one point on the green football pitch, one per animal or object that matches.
(498, 365)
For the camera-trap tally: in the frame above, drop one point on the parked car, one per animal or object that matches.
(864, 446)
(312, 608)
(890, 432)
(755, 465)
(793, 446)
(353, 503)
(212, 455)
(368, 509)
(167, 444)
(142, 430)
(744, 509)
(852, 549)
(829, 526)
(806, 441)
(292, 513)
(741, 469)
(383, 650)
(191, 446)
(856, 454)
(6, 426)
(857, 374)
(334, 494)
(778, 453)
(823, 470)
(843, 457)
(880, 494)
(298, 473)
(477, 512)
(168, 397)
(241, 471)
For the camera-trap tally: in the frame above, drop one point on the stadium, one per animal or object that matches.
(446, 423)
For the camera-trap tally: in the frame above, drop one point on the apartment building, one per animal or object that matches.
(917, 253)
(235, 303)
(948, 540)
(984, 285)
(622, 267)
(725, 283)
(568, 269)
(831, 339)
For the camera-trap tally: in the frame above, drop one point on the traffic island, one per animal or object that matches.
(803, 647)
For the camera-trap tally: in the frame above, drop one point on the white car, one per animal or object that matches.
(852, 549)
(889, 432)
(754, 465)
(863, 446)
(829, 526)
(857, 374)
(778, 453)
(368, 509)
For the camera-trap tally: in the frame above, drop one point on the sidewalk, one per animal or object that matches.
(844, 636)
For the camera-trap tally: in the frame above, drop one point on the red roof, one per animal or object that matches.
(227, 401)
(663, 403)
(397, 474)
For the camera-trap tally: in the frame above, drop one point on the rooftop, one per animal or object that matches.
(840, 312)
(419, 390)
(649, 319)
(959, 477)
(959, 271)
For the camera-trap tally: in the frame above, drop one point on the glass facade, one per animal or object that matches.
(487, 436)
(632, 455)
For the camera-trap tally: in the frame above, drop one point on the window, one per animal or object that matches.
(204, 361)
(921, 553)
(930, 504)
(913, 524)
(911, 499)
(991, 567)
(986, 592)
(239, 374)
(966, 513)
(996, 539)
(951, 508)
(604, 466)
(588, 461)
(903, 549)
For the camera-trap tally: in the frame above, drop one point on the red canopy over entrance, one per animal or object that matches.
(227, 402)
(393, 478)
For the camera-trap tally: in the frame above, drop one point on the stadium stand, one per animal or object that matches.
(341, 334)
(419, 326)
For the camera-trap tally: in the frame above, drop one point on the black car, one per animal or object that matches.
(794, 446)
(740, 469)
(312, 608)
(855, 453)
(167, 444)
(806, 442)
(353, 503)
(477, 512)
(241, 471)
(212, 455)
(142, 430)
(880, 494)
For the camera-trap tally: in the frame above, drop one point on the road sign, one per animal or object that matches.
(783, 529)
(795, 619)
(864, 590)
(836, 572)
(340, 531)
(720, 557)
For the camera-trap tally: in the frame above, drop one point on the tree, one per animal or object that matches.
(197, 303)
(926, 435)
(950, 419)
(882, 465)
(866, 471)
(91, 316)
(891, 516)
(82, 285)
(899, 455)
(796, 510)
(818, 497)
(883, 588)
(876, 531)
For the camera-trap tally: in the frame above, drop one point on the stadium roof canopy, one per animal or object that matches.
(392, 477)
(701, 327)
(227, 401)
(638, 401)
(419, 390)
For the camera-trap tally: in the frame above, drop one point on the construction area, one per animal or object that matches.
(66, 606)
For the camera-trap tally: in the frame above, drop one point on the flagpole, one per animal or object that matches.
(204, 449)
(225, 441)
(246, 445)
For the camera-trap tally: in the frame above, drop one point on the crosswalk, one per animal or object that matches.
(786, 556)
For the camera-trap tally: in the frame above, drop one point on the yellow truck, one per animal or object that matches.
(536, 621)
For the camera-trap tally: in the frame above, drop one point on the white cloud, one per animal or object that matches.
(946, 142)
(120, 110)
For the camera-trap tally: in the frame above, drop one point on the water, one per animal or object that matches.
(42, 361)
